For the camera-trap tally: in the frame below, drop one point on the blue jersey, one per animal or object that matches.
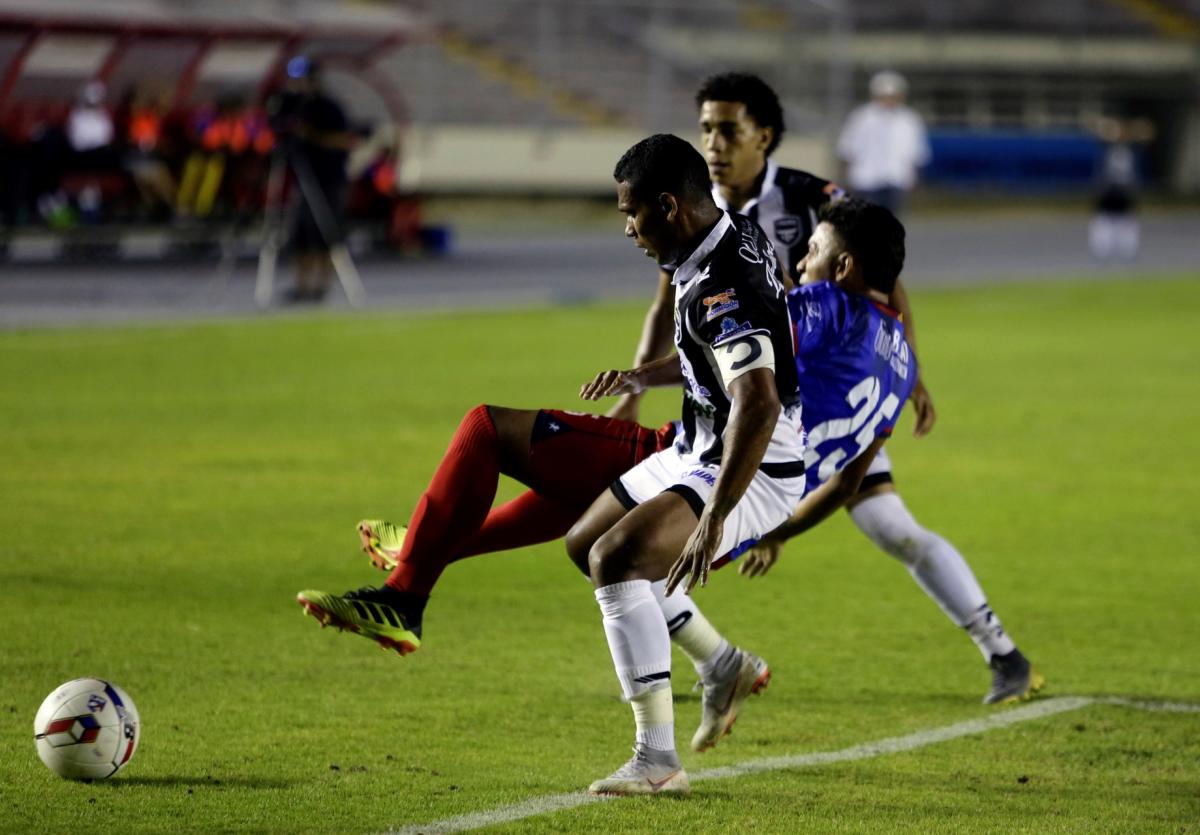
(855, 368)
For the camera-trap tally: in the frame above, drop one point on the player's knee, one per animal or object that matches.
(887, 523)
(513, 428)
(579, 541)
(612, 557)
(478, 417)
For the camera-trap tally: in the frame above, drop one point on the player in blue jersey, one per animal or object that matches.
(852, 396)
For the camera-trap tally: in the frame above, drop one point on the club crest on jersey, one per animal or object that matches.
(732, 326)
(719, 304)
(787, 229)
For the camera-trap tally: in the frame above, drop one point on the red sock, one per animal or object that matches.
(453, 507)
(528, 519)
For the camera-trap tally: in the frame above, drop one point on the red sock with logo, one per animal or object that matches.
(453, 506)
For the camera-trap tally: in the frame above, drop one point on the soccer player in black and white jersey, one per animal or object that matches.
(741, 124)
(735, 471)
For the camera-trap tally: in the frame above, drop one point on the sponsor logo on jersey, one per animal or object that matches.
(788, 229)
(891, 347)
(704, 475)
(749, 247)
(719, 304)
(693, 388)
(697, 407)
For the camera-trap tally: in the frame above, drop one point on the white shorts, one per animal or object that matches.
(766, 504)
(879, 471)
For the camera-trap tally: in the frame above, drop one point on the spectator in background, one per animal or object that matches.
(217, 134)
(884, 144)
(1114, 231)
(90, 133)
(144, 157)
(90, 125)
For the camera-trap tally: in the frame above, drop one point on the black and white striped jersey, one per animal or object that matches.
(786, 209)
(731, 316)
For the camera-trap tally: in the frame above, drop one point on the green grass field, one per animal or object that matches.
(166, 490)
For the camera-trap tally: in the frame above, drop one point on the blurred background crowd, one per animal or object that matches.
(130, 115)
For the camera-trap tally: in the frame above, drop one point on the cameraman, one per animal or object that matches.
(316, 140)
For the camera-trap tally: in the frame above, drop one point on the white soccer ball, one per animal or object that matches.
(87, 729)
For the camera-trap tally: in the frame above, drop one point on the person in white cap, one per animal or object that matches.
(884, 144)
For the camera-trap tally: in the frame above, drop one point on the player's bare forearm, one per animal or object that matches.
(820, 504)
(752, 417)
(658, 327)
(656, 342)
(661, 372)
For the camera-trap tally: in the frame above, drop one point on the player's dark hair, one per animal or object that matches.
(664, 163)
(874, 237)
(762, 105)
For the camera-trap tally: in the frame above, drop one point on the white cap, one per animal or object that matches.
(888, 83)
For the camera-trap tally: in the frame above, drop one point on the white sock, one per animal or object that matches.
(691, 631)
(933, 562)
(654, 713)
(988, 633)
(641, 652)
(1126, 237)
(1101, 236)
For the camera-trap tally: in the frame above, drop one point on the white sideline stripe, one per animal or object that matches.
(891, 745)
(1154, 707)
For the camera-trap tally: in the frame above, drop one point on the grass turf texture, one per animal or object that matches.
(167, 490)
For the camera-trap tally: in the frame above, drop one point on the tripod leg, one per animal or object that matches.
(264, 282)
(347, 273)
(273, 218)
(339, 255)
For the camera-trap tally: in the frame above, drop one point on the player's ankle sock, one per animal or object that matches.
(453, 507)
(988, 634)
(640, 647)
(710, 653)
(654, 714)
(528, 519)
(407, 603)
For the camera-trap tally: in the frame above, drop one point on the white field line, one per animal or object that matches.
(867, 750)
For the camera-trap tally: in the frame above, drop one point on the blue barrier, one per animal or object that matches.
(1013, 161)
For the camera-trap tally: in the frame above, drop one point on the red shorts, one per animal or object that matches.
(574, 457)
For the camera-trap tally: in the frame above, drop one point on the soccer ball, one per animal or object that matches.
(87, 729)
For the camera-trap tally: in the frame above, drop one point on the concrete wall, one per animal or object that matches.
(568, 161)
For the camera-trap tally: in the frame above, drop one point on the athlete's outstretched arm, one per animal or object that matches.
(655, 343)
(663, 372)
(813, 509)
(921, 399)
(752, 420)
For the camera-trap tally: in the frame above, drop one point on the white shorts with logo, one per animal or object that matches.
(766, 504)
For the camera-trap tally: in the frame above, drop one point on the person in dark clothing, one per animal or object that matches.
(317, 138)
